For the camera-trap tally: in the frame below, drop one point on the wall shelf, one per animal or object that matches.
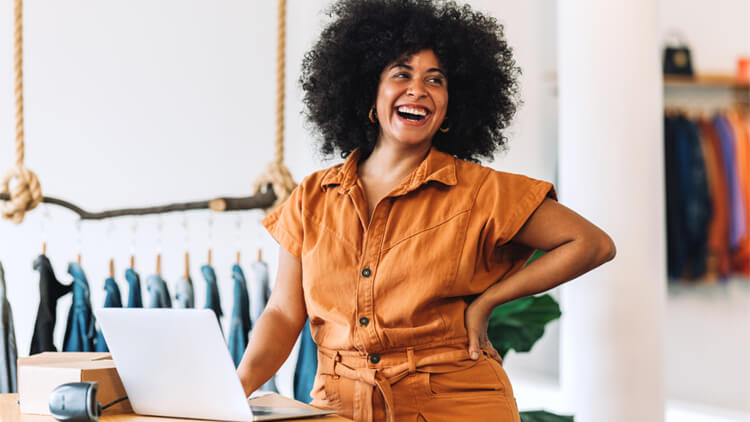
(706, 80)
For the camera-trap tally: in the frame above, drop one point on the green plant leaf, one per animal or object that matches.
(537, 253)
(517, 325)
(542, 416)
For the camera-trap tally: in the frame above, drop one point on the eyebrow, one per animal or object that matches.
(407, 67)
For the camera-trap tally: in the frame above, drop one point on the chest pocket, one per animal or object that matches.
(430, 253)
(427, 228)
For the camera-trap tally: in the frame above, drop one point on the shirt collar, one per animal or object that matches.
(437, 166)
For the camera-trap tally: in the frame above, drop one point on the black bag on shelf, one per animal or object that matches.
(677, 59)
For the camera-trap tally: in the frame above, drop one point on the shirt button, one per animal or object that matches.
(364, 321)
(366, 272)
(374, 358)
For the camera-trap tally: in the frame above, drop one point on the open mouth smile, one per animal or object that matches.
(413, 115)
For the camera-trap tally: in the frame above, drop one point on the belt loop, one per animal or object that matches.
(336, 359)
(411, 360)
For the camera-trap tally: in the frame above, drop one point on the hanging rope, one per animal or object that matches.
(26, 192)
(275, 173)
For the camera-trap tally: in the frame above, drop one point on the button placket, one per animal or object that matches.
(372, 245)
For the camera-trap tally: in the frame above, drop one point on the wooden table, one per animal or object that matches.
(9, 412)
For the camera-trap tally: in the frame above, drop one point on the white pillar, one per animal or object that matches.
(611, 172)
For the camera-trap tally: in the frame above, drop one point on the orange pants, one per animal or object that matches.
(433, 385)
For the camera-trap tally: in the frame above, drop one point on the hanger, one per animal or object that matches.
(79, 241)
(111, 268)
(158, 264)
(187, 266)
(133, 232)
(238, 230)
(260, 255)
(210, 255)
(45, 222)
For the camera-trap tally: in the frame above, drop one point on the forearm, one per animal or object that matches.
(557, 266)
(272, 339)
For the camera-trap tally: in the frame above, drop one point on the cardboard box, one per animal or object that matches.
(39, 374)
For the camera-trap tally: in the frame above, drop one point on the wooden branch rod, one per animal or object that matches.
(260, 200)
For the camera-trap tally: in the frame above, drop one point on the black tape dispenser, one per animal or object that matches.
(76, 402)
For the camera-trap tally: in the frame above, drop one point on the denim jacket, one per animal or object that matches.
(135, 298)
(158, 293)
(260, 291)
(111, 300)
(213, 301)
(183, 296)
(240, 323)
(80, 332)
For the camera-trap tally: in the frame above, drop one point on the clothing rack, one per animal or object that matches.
(700, 99)
(263, 200)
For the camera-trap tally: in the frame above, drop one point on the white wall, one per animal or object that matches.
(717, 31)
(137, 103)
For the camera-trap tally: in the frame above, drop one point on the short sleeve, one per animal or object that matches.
(507, 201)
(285, 223)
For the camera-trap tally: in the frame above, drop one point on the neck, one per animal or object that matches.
(393, 161)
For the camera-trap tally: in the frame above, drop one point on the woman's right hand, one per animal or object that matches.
(476, 319)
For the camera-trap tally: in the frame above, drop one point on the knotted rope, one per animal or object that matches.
(26, 192)
(276, 173)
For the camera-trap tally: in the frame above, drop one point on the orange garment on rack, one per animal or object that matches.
(719, 260)
(741, 129)
(386, 295)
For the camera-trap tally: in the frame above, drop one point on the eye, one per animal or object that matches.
(401, 75)
(436, 80)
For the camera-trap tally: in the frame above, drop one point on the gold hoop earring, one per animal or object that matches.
(372, 115)
(444, 130)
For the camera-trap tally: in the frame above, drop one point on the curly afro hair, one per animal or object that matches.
(340, 75)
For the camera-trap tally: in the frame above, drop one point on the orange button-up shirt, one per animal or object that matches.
(402, 278)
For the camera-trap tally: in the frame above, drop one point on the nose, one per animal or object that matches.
(416, 89)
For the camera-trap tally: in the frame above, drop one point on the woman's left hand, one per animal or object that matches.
(476, 318)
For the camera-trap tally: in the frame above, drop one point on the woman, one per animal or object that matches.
(399, 255)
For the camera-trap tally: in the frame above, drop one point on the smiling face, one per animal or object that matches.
(412, 99)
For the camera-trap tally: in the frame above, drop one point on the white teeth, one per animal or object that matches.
(412, 110)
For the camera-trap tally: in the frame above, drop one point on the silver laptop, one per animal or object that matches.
(175, 363)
